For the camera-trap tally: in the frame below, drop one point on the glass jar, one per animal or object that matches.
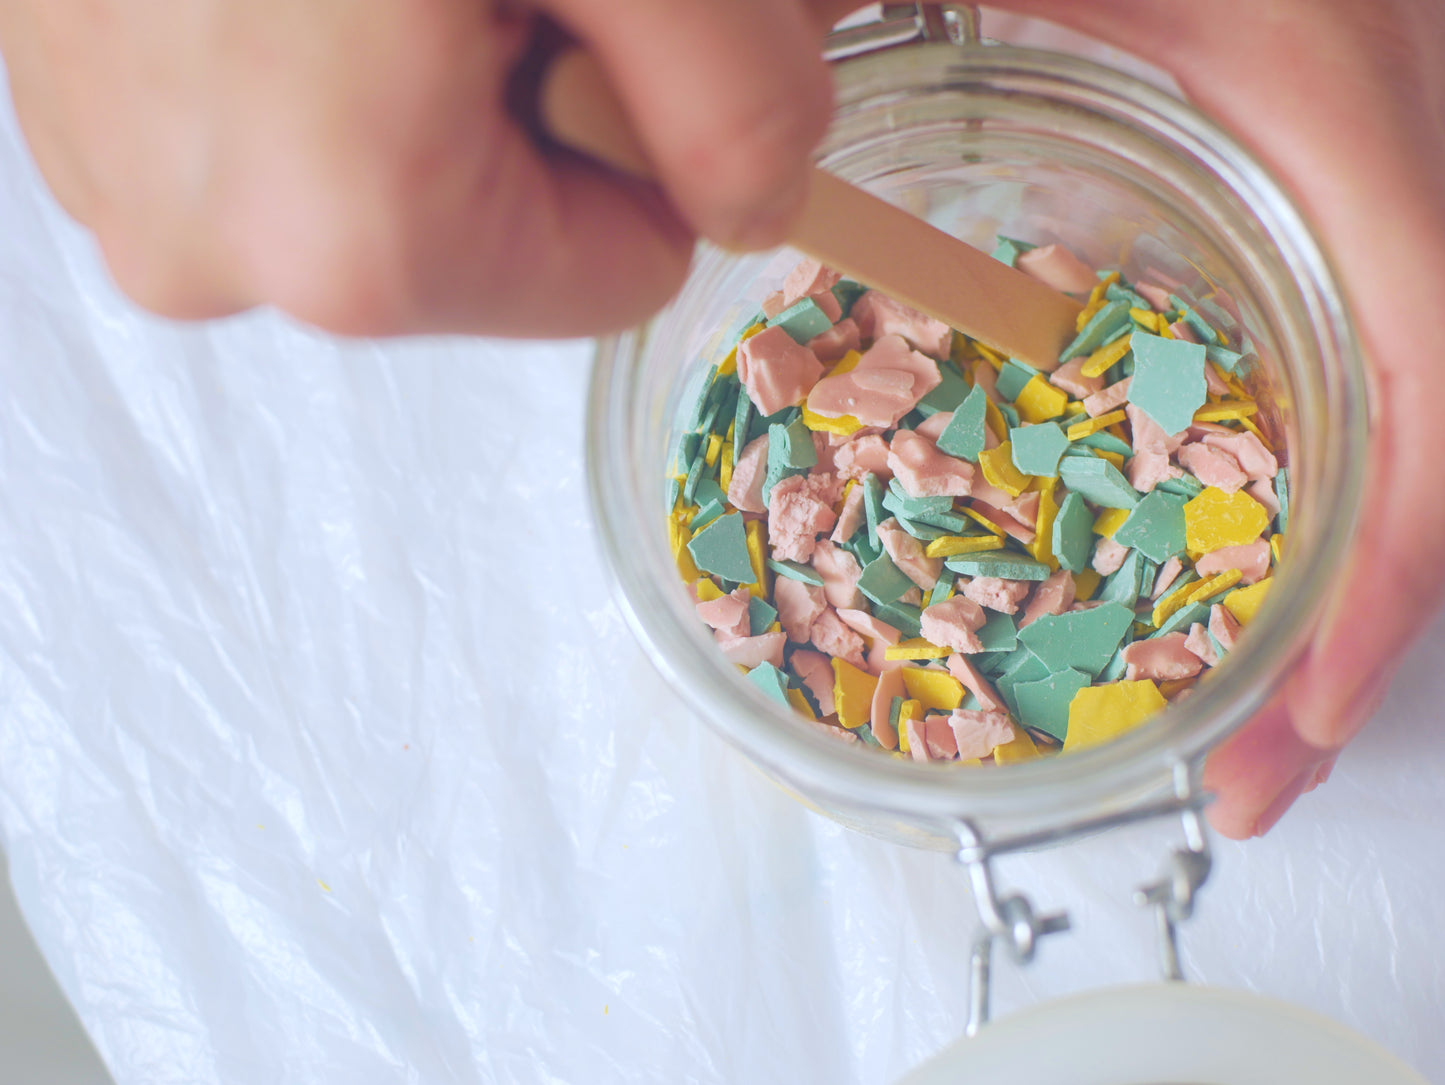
(982, 140)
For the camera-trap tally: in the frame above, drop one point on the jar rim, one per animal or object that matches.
(1136, 764)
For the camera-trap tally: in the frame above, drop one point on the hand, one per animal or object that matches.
(356, 165)
(1346, 104)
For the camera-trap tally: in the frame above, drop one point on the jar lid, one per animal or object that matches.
(1164, 1034)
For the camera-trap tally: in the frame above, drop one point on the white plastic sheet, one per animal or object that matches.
(325, 755)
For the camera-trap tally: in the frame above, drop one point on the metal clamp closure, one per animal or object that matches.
(903, 24)
(1012, 919)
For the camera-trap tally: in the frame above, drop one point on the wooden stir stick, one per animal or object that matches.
(849, 230)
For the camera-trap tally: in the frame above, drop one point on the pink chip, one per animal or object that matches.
(923, 471)
(1185, 331)
(1068, 378)
(1251, 559)
(954, 623)
(942, 746)
(837, 341)
(976, 733)
(798, 606)
(1223, 626)
(1213, 382)
(851, 517)
(1110, 399)
(1168, 573)
(776, 371)
(831, 637)
(1056, 266)
(1162, 659)
(773, 304)
(1157, 296)
(1149, 436)
(1212, 466)
(727, 614)
(917, 732)
(1248, 451)
(840, 572)
(879, 315)
(1198, 643)
(806, 279)
(890, 685)
(997, 594)
(751, 651)
(1014, 527)
(1149, 468)
(866, 455)
(863, 622)
(827, 304)
(817, 674)
(1108, 556)
(885, 385)
(1264, 493)
(1054, 596)
(933, 426)
(745, 491)
(797, 512)
(907, 553)
(963, 669)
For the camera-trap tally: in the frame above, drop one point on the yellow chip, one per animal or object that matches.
(1226, 410)
(1094, 425)
(917, 648)
(753, 330)
(1207, 589)
(852, 694)
(995, 419)
(845, 425)
(1110, 521)
(1249, 425)
(1042, 548)
(1172, 602)
(1216, 519)
(1244, 603)
(1020, 748)
(946, 546)
(1100, 713)
(679, 536)
(988, 354)
(1096, 300)
(999, 470)
(1116, 458)
(1102, 359)
(1174, 685)
(1276, 547)
(799, 702)
(757, 539)
(1039, 401)
(714, 447)
(1145, 318)
(706, 590)
(908, 710)
(974, 514)
(1166, 331)
(846, 363)
(938, 691)
(1086, 584)
(729, 364)
(725, 470)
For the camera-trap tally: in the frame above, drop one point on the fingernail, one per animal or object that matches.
(1322, 773)
(1283, 801)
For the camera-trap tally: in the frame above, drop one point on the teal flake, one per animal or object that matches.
(1125, 583)
(790, 452)
(1168, 382)
(1103, 324)
(1183, 577)
(964, 435)
(1044, 704)
(873, 507)
(924, 532)
(951, 391)
(1010, 415)
(904, 617)
(706, 514)
(847, 292)
(1098, 480)
(940, 590)
(912, 506)
(1155, 527)
(1116, 668)
(1226, 359)
(1186, 485)
(771, 681)
(1281, 491)
(702, 401)
(883, 582)
(1037, 449)
(761, 614)
(1081, 639)
(1106, 442)
(998, 633)
(999, 563)
(742, 419)
(1007, 250)
(1117, 292)
(721, 548)
(794, 570)
(1073, 538)
(802, 320)
(694, 478)
(1182, 619)
(674, 491)
(1022, 666)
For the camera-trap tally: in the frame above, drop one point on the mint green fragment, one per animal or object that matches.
(771, 681)
(1156, 526)
(1168, 382)
(964, 435)
(1106, 442)
(1116, 668)
(998, 633)
(1000, 563)
(1101, 327)
(1226, 359)
(1073, 534)
(951, 391)
(873, 507)
(742, 419)
(904, 617)
(761, 614)
(1012, 378)
(796, 571)
(721, 548)
(802, 320)
(1182, 619)
(1281, 491)
(882, 581)
(1008, 250)
(1037, 449)
(1081, 639)
(1098, 480)
(940, 590)
(1045, 704)
(1126, 582)
(1020, 665)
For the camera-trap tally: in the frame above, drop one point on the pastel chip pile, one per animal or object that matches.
(928, 548)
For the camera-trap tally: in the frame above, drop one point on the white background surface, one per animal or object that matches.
(324, 755)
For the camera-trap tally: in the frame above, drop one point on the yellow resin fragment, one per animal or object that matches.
(978, 517)
(852, 694)
(1216, 519)
(1104, 358)
(1039, 401)
(1166, 330)
(1086, 584)
(995, 419)
(1171, 602)
(1244, 603)
(1174, 685)
(846, 363)
(776, 627)
(844, 425)
(729, 364)
(908, 710)
(678, 536)
(946, 546)
(757, 539)
(999, 470)
(1249, 425)
(1146, 319)
(1096, 300)
(1276, 547)
(917, 648)
(1094, 425)
(714, 449)
(725, 471)
(988, 354)
(1042, 548)
(1100, 713)
(1110, 521)
(752, 330)
(1226, 411)
(1207, 589)
(937, 691)
(706, 590)
(800, 704)
(1116, 458)
(1020, 748)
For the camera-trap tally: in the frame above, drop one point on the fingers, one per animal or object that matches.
(728, 96)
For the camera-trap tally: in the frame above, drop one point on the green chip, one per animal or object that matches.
(873, 507)
(1125, 583)
(796, 571)
(1156, 526)
(904, 617)
(1099, 481)
(742, 419)
(1106, 442)
(951, 392)
(1168, 382)
(1185, 484)
(790, 452)
(847, 292)
(1281, 491)
(1037, 449)
(771, 681)
(1102, 326)
(1182, 619)
(1044, 704)
(998, 633)
(1007, 250)
(721, 548)
(802, 320)
(1073, 534)
(964, 435)
(1080, 639)
(1000, 563)
(761, 614)
(883, 582)
(1012, 378)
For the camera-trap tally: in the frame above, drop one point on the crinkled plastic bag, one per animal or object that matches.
(326, 755)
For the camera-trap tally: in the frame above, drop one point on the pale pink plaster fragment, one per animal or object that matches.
(977, 732)
(1251, 559)
(954, 623)
(996, 593)
(879, 315)
(923, 471)
(907, 553)
(776, 371)
(1163, 659)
